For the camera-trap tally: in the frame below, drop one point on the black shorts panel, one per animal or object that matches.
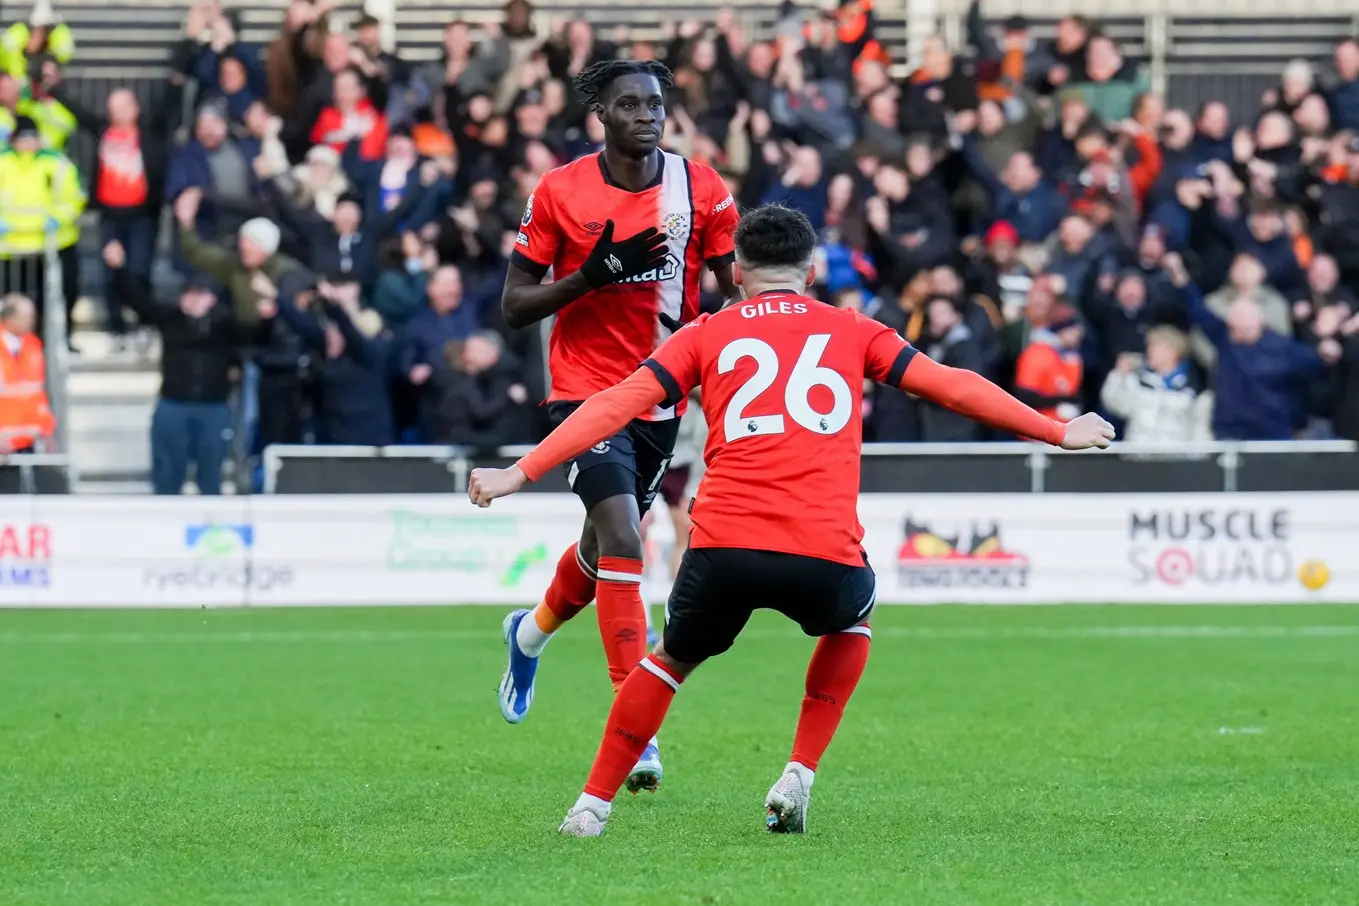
(717, 589)
(633, 461)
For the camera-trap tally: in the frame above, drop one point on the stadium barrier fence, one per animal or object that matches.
(887, 468)
(316, 550)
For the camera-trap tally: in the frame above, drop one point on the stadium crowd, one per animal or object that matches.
(1027, 209)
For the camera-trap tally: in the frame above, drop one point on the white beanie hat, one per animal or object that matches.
(263, 232)
(42, 15)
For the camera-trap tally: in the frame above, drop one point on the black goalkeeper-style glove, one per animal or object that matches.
(616, 260)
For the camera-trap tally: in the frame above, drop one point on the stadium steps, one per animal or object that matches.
(110, 399)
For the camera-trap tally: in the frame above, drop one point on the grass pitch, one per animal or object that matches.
(1111, 755)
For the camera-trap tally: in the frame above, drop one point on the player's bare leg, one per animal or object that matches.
(638, 711)
(679, 518)
(833, 673)
(652, 636)
(527, 632)
(620, 610)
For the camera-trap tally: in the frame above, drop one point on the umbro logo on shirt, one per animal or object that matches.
(594, 227)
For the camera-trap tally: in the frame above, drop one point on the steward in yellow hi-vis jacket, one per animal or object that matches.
(40, 195)
(25, 48)
(41, 34)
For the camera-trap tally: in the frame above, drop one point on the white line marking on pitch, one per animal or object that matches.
(487, 635)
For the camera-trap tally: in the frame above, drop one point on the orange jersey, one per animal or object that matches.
(1049, 371)
(783, 378)
(601, 338)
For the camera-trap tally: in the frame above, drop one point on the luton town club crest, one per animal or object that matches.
(676, 225)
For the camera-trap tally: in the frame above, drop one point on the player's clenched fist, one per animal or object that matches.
(615, 260)
(486, 485)
(1086, 431)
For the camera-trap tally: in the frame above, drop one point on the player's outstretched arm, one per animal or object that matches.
(970, 394)
(602, 415)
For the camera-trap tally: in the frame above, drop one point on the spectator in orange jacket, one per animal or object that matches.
(1143, 132)
(1049, 371)
(24, 411)
(351, 117)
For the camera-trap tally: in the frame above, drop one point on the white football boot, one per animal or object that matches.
(788, 800)
(585, 821)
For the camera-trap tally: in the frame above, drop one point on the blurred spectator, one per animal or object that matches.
(448, 317)
(1246, 285)
(351, 116)
(469, 67)
(998, 274)
(1295, 85)
(401, 286)
(942, 85)
(291, 58)
(1079, 256)
(1259, 373)
(220, 168)
(1068, 52)
(128, 190)
(224, 66)
(405, 93)
(41, 200)
(353, 405)
(1155, 392)
(32, 53)
(1343, 96)
(192, 422)
(803, 185)
(907, 232)
(1112, 82)
(1323, 291)
(1020, 195)
(1049, 370)
(41, 35)
(239, 270)
(362, 96)
(951, 342)
(476, 395)
(26, 418)
(342, 242)
(1122, 319)
(314, 187)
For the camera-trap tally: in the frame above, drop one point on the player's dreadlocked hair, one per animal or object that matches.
(591, 83)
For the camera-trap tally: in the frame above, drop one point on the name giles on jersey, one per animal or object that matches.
(773, 308)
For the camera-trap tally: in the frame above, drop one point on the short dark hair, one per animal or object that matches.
(1092, 130)
(775, 236)
(592, 83)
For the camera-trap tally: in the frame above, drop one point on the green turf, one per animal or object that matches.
(992, 755)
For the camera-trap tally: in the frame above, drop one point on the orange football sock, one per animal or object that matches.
(837, 664)
(571, 590)
(637, 714)
(622, 619)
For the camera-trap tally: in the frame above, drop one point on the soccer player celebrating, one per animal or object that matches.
(624, 234)
(775, 521)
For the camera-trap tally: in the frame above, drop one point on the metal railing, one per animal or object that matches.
(35, 473)
(1122, 464)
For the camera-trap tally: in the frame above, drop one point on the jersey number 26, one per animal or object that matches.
(807, 373)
